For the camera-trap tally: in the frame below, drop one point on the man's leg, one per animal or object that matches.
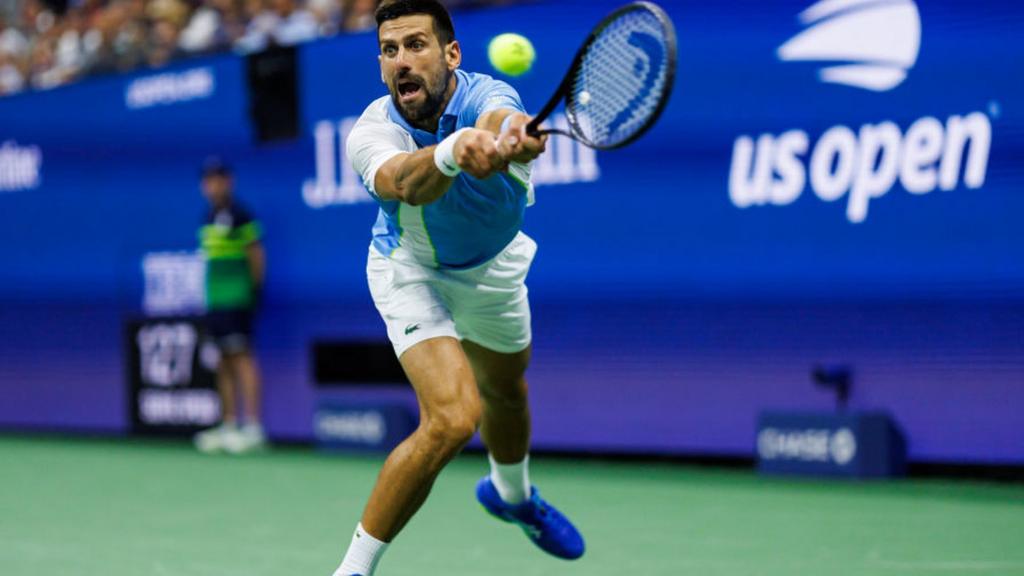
(226, 389)
(216, 439)
(507, 492)
(505, 426)
(249, 382)
(250, 435)
(449, 415)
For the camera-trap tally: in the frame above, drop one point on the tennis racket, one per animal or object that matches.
(619, 81)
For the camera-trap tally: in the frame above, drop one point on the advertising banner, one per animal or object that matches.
(832, 181)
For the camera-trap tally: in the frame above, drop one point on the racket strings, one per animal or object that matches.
(619, 83)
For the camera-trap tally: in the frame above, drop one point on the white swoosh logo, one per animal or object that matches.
(869, 44)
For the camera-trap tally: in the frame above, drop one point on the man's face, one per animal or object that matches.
(217, 189)
(415, 66)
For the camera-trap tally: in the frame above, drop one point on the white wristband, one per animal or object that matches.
(444, 155)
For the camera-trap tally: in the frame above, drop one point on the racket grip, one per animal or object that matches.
(533, 128)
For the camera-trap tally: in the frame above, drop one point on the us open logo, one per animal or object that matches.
(836, 35)
(868, 44)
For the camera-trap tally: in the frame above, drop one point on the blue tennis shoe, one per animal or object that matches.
(542, 523)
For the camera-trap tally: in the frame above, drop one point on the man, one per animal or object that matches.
(235, 262)
(446, 156)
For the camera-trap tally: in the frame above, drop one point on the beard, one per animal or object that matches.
(434, 97)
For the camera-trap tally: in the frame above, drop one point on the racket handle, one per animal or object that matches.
(533, 128)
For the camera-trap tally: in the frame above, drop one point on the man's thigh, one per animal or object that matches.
(441, 375)
(498, 373)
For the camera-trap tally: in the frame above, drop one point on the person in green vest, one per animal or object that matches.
(235, 263)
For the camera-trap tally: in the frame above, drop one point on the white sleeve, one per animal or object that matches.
(371, 144)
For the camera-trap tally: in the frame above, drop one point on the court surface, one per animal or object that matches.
(131, 508)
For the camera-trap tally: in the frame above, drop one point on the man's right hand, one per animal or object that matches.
(476, 152)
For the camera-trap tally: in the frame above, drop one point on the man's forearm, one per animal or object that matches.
(417, 180)
(257, 264)
(493, 120)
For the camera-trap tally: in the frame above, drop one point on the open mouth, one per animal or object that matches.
(407, 90)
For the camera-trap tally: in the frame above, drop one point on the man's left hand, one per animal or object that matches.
(516, 145)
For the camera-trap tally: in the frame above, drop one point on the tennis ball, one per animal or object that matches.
(511, 54)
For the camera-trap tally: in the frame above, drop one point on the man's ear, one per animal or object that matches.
(453, 54)
(381, 69)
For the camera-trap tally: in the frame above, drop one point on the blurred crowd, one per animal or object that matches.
(47, 43)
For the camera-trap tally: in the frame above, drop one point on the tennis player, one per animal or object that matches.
(447, 157)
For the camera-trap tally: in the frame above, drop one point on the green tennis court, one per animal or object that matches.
(131, 508)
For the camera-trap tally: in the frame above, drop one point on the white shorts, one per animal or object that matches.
(486, 304)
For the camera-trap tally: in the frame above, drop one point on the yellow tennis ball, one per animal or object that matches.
(511, 54)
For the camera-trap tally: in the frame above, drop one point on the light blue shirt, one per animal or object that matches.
(475, 219)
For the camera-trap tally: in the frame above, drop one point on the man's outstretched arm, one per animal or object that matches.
(415, 177)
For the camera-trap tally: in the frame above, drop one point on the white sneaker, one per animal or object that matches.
(248, 438)
(214, 439)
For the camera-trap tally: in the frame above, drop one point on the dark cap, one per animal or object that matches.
(215, 165)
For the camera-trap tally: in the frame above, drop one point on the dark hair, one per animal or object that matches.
(392, 9)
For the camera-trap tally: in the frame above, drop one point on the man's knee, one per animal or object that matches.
(452, 427)
(507, 395)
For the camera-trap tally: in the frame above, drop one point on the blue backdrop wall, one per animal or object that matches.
(823, 187)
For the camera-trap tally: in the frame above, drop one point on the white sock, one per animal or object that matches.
(363, 554)
(511, 480)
